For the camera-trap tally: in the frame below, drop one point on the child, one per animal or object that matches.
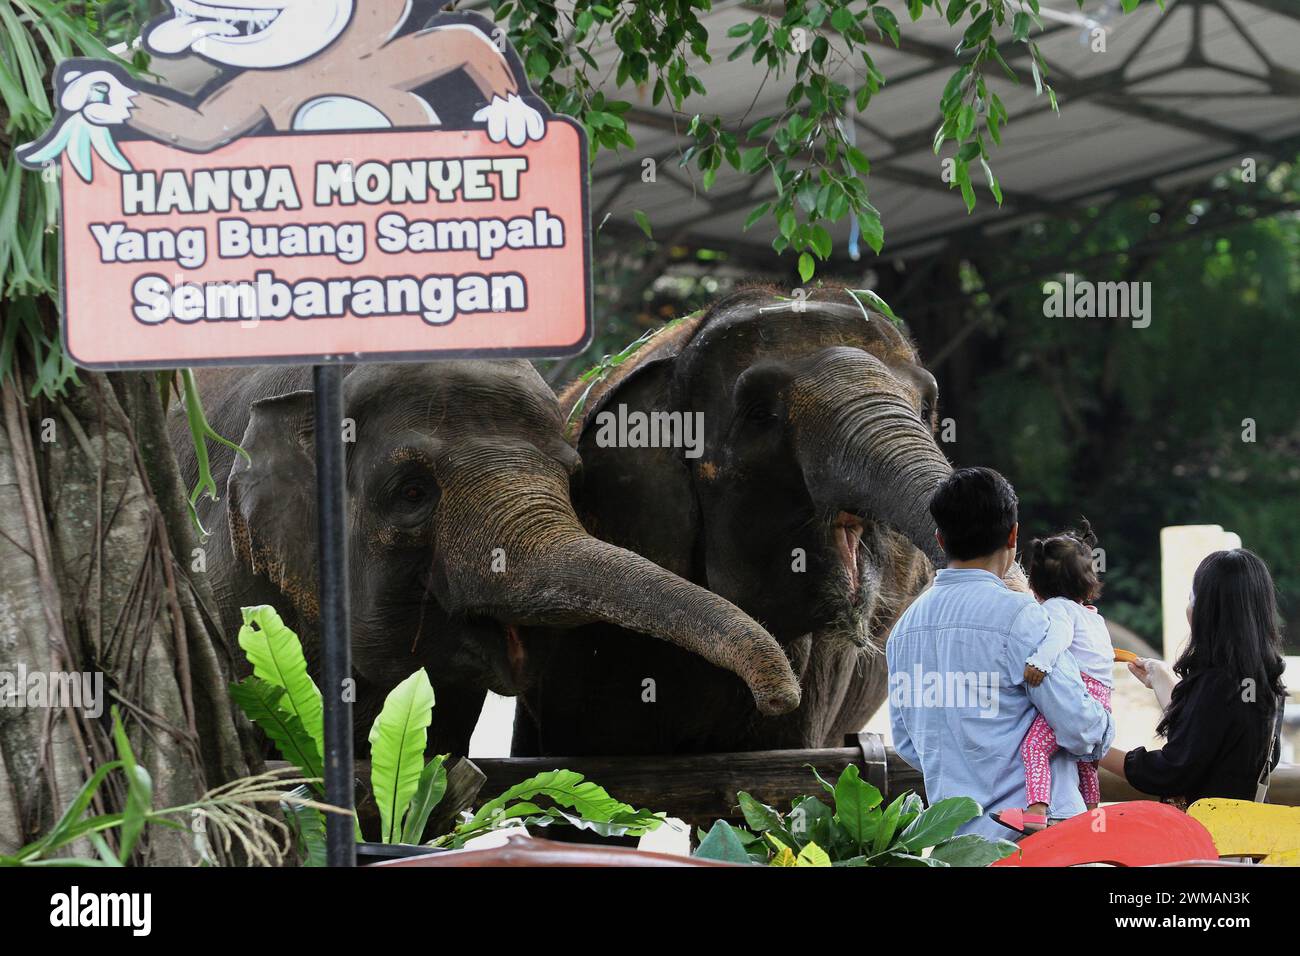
(1063, 579)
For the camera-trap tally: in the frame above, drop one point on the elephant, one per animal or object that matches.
(459, 531)
(806, 506)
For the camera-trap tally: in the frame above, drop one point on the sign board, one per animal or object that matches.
(358, 182)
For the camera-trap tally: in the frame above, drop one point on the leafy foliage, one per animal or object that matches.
(283, 701)
(524, 803)
(817, 171)
(1143, 428)
(854, 831)
(226, 817)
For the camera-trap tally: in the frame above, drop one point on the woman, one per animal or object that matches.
(1222, 698)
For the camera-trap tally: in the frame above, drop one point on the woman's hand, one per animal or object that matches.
(1139, 669)
(1157, 675)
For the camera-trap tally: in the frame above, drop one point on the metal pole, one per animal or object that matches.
(336, 637)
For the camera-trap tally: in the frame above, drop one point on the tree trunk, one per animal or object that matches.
(102, 574)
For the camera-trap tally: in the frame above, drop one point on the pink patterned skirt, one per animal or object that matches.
(1039, 745)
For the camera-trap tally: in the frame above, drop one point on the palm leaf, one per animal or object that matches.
(276, 655)
(263, 704)
(433, 784)
(397, 740)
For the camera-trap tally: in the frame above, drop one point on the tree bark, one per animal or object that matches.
(102, 575)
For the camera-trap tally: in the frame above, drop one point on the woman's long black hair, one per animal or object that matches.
(1235, 630)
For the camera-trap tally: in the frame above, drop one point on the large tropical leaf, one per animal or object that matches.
(812, 855)
(763, 819)
(566, 788)
(855, 805)
(433, 784)
(276, 655)
(264, 705)
(722, 843)
(888, 824)
(397, 740)
(938, 822)
(971, 849)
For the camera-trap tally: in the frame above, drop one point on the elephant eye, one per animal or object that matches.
(413, 491)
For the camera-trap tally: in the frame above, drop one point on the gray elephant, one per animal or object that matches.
(806, 506)
(460, 531)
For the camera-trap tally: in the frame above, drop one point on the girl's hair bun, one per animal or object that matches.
(1086, 534)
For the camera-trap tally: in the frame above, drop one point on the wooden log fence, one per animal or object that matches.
(700, 788)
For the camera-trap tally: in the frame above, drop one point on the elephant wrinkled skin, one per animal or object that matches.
(807, 509)
(460, 531)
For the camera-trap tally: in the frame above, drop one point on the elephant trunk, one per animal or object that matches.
(871, 455)
(511, 547)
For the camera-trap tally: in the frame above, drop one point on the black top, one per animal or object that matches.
(1217, 748)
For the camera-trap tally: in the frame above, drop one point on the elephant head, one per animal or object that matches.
(807, 505)
(460, 529)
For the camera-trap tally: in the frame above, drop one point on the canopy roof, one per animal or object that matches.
(1177, 96)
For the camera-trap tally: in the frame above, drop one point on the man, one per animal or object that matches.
(958, 701)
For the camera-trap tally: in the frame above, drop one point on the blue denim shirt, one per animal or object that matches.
(959, 705)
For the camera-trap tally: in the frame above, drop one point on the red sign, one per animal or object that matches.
(289, 212)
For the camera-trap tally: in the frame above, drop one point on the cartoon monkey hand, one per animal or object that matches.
(511, 119)
(99, 96)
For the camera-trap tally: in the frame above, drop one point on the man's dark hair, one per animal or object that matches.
(975, 510)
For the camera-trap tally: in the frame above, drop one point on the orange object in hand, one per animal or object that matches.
(1125, 657)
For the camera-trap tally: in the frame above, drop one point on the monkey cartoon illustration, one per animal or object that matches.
(290, 65)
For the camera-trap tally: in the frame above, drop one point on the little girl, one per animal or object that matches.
(1063, 579)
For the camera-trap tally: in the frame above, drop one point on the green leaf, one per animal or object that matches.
(977, 31)
(993, 183)
(812, 855)
(757, 214)
(873, 230)
(263, 704)
(60, 834)
(759, 816)
(308, 825)
(855, 799)
(565, 788)
(886, 22)
(965, 122)
(722, 843)
(433, 785)
(971, 849)
(955, 9)
(139, 790)
(807, 267)
(643, 221)
(888, 824)
(938, 822)
(276, 655)
(397, 740)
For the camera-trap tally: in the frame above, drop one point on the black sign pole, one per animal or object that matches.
(336, 636)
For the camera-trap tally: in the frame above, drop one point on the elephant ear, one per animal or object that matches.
(613, 480)
(272, 499)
